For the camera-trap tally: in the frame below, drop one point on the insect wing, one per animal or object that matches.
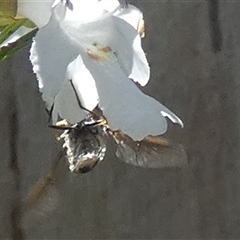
(151, 152)
(43, 197)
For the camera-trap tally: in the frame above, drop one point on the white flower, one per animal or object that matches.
(95, 44)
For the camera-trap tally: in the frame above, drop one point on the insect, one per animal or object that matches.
(86, 144)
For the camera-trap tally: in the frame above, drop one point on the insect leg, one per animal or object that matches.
(78, 100)
(95, 112)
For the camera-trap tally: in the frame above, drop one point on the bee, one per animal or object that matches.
(86, 144)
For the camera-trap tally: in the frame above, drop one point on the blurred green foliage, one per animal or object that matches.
(8, 10)
(9, 25)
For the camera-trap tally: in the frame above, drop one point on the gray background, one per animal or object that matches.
(194, 51)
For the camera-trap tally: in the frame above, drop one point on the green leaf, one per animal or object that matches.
(10, 29)
(8, 10)
(10, 49)
(29, 24)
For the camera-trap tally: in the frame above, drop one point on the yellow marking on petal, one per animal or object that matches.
(99, 53)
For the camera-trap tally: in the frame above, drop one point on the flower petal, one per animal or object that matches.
(84, 11)
(110, 6)
(79, 90)
(50, 58)
(37, 11)
(83, 83)
(131, 15)
(50, 55)
(123, 104)
(66, 106)
(115, 33)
